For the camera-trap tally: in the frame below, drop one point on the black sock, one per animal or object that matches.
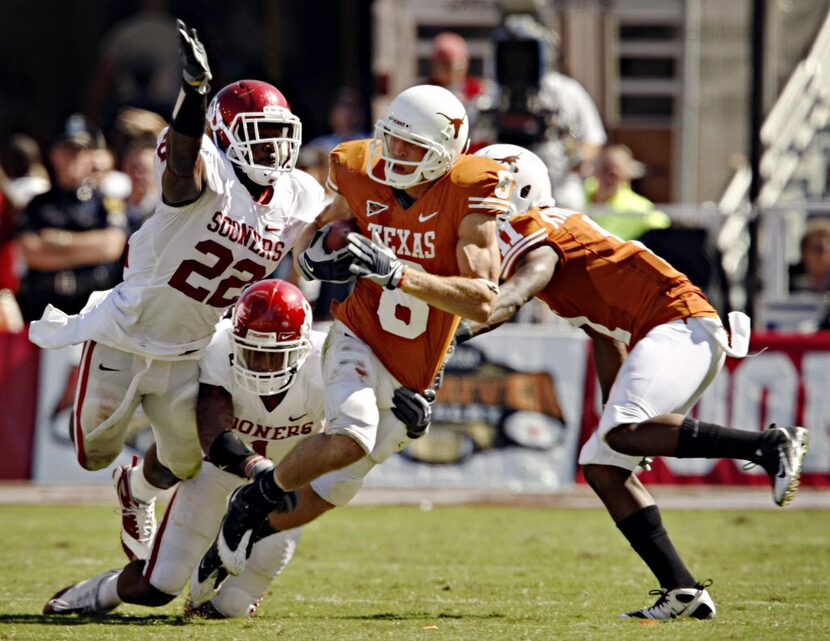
(697, 439)
(264, 493)
(646, 534)
(264, 530)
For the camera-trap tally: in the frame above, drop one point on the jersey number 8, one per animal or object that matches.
(402, 314)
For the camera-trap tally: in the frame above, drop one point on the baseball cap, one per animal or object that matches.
(79, 132)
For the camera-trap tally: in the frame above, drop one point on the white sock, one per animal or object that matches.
(141, 488)
(108, 592)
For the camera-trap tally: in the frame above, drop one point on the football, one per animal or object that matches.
(336, 238)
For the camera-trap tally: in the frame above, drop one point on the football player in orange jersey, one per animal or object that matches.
(657, 345)
(425, 255)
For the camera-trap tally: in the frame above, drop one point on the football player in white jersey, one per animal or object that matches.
(231, 207)
(253, 409)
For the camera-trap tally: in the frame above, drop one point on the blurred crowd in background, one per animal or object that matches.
(72, 192)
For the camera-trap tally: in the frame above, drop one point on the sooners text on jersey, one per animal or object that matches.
(272, 433)
(188, 264)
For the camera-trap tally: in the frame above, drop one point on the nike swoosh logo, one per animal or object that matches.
(422, 218)
(272, 230)
(296, 418)
(104, 368)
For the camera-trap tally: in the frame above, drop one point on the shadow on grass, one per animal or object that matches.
(106, 619)
(394, 616)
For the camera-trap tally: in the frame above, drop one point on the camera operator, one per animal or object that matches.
(544, 109)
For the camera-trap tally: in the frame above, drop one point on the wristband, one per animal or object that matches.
(189, 113)
(257, 465)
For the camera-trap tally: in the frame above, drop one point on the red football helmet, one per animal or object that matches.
(253, 124)
(270, 339)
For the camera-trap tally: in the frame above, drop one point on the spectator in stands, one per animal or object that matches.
(449, 66)
(134, 64)
(22, 176)
(132, 124)
(137, 165)
(346, 122)
(71, 237)
(22, 172)
(812, 273)
(575, 134)
(623, 212)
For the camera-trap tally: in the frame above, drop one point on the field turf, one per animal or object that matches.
(451, 573)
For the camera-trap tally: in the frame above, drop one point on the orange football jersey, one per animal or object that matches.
(619, 288)
(409, 336)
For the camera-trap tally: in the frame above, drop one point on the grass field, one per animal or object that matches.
(452, 573)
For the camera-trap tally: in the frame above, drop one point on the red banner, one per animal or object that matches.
(18, 389)
(786, 382)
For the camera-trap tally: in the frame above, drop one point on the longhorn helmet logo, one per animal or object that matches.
(510, 161)
(455, 122)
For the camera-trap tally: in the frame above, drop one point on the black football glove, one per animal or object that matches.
(375, 261)
(317, 264)
(413, 410)
(195, 68)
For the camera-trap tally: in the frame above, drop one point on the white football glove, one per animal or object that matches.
(375, 261)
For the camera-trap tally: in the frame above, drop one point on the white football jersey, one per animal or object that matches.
(187, 265)
(299, 414)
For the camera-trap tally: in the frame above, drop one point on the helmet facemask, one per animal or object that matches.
(263, 144)
(533, 187)
(434, 164)
(265, 365)
(430, 118)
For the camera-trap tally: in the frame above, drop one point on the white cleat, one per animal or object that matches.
(693, 602)
(81, 598)
(787, 458)
(207, 578)
(138, 519)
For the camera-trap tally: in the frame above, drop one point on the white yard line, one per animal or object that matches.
(579, 496)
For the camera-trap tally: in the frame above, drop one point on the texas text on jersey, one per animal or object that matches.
(408, 335)
(620, 289)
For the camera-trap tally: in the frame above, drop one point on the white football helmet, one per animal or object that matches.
(532, 177)
(428, 116)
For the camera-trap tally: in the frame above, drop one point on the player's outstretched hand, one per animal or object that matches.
(413, 410)
(195, 68)
(318, 264)
(375, 261)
